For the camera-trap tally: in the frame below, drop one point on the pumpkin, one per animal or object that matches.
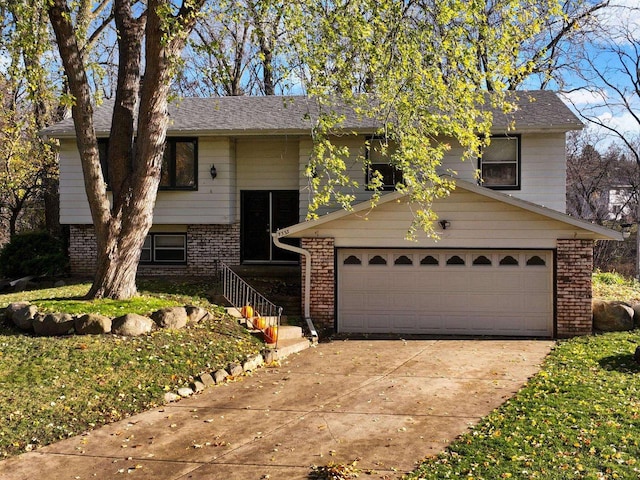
(271, 334)
(259, 322)
(247, 311)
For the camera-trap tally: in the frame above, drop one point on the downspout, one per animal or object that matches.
(307, 279)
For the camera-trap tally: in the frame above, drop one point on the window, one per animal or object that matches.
(179, 164)
(378, 161)
(500, 163)
(164, 248)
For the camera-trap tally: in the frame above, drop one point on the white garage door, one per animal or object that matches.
(450, 292)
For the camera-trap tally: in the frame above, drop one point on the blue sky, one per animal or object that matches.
(621, 30)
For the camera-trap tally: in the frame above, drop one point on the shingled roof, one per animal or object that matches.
(271, 115)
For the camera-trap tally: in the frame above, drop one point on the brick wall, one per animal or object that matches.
(82, 250)
(574, 264)
(206, 246)
(322, 308)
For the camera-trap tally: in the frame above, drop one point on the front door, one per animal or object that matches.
(262, 213)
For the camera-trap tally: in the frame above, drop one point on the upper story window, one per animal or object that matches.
(179, 164)
(500, 163)
(378, 161)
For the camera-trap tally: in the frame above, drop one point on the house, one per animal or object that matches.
(621, 203)
(508, 260)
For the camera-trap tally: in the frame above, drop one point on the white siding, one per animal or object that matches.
(212, 203)
(475, 222)
(266, 163)
(543, 175)
(74, 207)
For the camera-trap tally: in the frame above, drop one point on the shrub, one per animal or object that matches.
(33, 253)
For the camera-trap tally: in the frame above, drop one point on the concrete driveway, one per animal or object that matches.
(388, 403)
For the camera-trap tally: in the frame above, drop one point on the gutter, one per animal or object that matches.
(307, 279)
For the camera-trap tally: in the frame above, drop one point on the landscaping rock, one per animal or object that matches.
(53, 324)
(220, 376)
(636, 315)
(269, 355)
(21, 314)
(612, 316)
(170, 317)
(252, 363)
(60, 283)
(235, 369)
(131, 325)
(185, 392)
(92, 324)
(21, 284)
(171, 397)
(196, 314)
(207, 379)
(197, 386)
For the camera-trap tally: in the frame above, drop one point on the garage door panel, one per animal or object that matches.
(404, 295)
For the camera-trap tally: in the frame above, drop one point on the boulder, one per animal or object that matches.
(131, 325)
(196, 314)
(170, 317)
(207, 380)
(636, 315)
(612, 316)
(235, 369)
(92, 324)
(53, 324)
(252, 363)
(21, 314)
(220, 376)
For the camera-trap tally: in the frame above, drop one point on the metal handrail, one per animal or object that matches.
(239, 294)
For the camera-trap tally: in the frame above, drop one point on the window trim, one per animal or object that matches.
(518, 164)
(152, 249)
(396, 172)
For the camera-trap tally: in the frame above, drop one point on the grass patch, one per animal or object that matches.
(55, 387)
(613, 286)
(578, 418)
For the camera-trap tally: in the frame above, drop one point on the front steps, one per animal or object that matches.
(290, 339)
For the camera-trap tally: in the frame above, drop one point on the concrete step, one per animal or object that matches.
(289, 332)
(290, 346)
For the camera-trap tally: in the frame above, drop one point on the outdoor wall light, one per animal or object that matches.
(626, 230)
(444, 224)
(213, 172)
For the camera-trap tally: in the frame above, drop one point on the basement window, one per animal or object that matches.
(164, 248)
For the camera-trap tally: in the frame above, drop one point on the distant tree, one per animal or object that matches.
(609, 75)
(28, 170)
(235, 50)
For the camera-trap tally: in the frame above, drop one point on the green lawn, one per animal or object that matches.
(52, 388)
(578, 418)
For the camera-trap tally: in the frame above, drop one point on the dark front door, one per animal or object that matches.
(263, 213)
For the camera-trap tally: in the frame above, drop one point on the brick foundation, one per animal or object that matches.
(82, 250)
(322, 309)
(207, 245)
(574, 264)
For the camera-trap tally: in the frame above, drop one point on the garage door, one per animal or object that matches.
(450, 292)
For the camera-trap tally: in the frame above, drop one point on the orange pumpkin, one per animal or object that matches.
(259, 322)
(271, 334)
(247, 311)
